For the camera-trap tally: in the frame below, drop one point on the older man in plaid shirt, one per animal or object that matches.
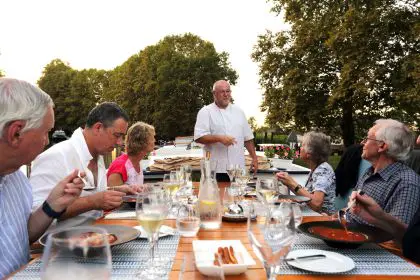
(392, 184)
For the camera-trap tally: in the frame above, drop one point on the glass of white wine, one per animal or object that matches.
(77, 253)
(266, 190)
(152, 207)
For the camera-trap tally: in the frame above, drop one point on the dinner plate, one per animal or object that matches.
(333, 263)
(204, 256)
(163, 231)
(123, 234)
(292, 198)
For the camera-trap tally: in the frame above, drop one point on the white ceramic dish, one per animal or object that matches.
(333, 263)
(204, 256)
(163, 231)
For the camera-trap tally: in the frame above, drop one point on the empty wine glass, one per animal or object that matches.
(77, 253)
(297, 212)
(271, 237)
(152, 207)
(266, 190)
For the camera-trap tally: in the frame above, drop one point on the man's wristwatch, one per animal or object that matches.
(297, 188)
(50, 212)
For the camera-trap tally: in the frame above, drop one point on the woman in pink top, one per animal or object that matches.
(126, 169)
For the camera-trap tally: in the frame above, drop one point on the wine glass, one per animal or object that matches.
(187, 170)
(266, 190)
(242, 178)
(297, 212)
(77, 253)
(230, 170)
(152, 207)
(271, 236)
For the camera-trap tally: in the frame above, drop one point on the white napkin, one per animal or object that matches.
(163, 231)
(121, 215)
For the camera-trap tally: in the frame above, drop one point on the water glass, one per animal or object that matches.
(188, 220)
(77, 253)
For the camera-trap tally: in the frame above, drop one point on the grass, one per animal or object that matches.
(332, 160)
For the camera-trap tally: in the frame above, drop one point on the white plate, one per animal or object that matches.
(163, 231)
(333, 263)
(204, 256)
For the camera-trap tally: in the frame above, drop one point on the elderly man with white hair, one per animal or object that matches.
(26, 117)
(392, 184)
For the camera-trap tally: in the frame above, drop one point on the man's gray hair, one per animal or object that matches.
(217, 83)
(318, 145)
(20, 100)
(397, 136)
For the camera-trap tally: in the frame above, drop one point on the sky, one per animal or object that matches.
(103, 34)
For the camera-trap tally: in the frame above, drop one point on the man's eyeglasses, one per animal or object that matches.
(372, 139)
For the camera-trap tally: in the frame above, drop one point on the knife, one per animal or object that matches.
(309, 257)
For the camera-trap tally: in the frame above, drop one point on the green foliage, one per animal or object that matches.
(342, 65)
(74, 92)
(168, 83)
(333, 160)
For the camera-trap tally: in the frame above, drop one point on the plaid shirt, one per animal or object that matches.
(396, 188)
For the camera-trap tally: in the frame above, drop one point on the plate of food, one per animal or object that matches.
(116, 235)
(336, 236)
(233, 255)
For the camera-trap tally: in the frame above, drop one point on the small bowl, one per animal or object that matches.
(372, 234)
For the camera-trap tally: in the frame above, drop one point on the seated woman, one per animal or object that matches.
(126, 169)
(320, 186)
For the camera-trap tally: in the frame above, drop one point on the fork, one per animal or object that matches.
(87, 186)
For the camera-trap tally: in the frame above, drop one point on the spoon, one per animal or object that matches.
(342, 214)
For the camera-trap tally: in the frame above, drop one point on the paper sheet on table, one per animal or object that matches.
(121, 215)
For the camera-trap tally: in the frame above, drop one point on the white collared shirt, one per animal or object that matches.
(59, 161)
(212, 120)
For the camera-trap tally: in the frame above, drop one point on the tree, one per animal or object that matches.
(342, 65)
(74, 92)
(167, 84)
(55, 80)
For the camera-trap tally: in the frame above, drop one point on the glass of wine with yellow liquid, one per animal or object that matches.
(152, 207)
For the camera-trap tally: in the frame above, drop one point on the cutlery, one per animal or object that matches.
(342, 214)
(87, 186)
(309, 257)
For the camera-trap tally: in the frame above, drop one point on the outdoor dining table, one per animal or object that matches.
(238, 231)
(184, 256)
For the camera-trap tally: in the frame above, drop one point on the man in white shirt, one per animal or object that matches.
(105, 128)
(26, 117)
(223, 129)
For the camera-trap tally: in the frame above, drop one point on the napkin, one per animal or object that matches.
(121, 215)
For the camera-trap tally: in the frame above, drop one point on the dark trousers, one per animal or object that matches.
(222, 177)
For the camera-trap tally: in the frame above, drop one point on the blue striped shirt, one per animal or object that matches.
(15, 209)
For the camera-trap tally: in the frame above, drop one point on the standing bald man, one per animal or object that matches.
(224, 130)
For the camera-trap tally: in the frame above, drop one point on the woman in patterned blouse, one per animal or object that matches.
(320, 186)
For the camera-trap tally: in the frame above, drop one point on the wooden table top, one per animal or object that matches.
(237, 231)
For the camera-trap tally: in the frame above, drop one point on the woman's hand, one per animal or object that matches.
(286, 179)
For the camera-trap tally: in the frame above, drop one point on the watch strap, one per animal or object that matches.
(297, 188)
(50, 212)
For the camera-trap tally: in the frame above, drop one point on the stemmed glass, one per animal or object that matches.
(242, 177)
(152, 207)
(77, 253)
(271, 236)
(266, 190)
